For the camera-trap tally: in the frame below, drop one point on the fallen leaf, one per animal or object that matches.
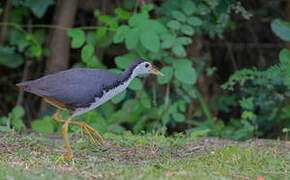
(169, 173)
(260, 178)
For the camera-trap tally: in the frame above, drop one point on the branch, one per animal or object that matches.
(5, 19)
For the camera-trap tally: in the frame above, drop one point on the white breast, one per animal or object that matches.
(106, 96)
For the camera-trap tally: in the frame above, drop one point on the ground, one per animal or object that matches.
(149, 156)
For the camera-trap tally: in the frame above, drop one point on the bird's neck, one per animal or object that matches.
(128, 75)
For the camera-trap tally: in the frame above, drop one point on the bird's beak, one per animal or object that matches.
(156, 72)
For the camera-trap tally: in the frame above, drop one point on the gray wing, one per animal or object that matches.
(75, 87)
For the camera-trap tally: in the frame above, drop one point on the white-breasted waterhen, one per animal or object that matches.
(79, 90)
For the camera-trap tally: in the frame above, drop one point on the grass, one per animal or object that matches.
(149, 156)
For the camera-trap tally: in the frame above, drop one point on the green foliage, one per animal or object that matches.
(46, 125)
(9, 58)
(281, 29)
(13, 120)
(184, 71)
(158, 34)
(78, 37)
(262, 94)
(22, 44)
(38, 7)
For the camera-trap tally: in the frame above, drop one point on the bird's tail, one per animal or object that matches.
(23, 84)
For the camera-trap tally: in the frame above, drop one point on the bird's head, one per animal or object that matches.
(140, 66)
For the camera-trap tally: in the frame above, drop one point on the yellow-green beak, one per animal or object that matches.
(156, 72)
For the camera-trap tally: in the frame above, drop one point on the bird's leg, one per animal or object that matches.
(58, 120)
(93, 132)
(89, 130)
(64, 132)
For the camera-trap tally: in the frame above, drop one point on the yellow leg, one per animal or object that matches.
(89, 130)
(64, 132)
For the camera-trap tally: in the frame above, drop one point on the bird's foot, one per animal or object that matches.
(92, 133)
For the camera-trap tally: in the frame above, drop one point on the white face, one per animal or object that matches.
(143, 68)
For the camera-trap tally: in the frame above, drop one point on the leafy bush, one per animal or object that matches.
(160, 35)
(162, 40)
(13, 120)
(263, 95)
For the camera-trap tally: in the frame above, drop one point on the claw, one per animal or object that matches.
(92, 133)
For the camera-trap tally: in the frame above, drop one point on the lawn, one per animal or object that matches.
(149, 156)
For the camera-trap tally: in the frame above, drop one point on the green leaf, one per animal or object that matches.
(38, 7)
(119, 97)
(115, 70)
(145, 100)
(168, 72)
(183, 40)
(122, 13)
(194, 21)
(184, 71)
(182, 63)
(173, 24)
(120, 34)
(188, 30)
(284, 55)
(167, 41)
(181, 106)
(187, 76)
(132, 38)
(101, 32)
(45, 125)
(109, 20)
(179, 50)
(93, 62)
(91, 38)
(36, 50)
(146, 8)
(17, 124)
(17, 112)
(153, 25)
(97, 13)
(18, 38)
(178, 117)
(87, 52)
(178, 15)
(18, 14)
(9, 58)
(188, 7)
(281, 29)
(150, 40)
(39, 36)
(1, 10)
(124, 61)
(165, 118)
(135, 84)
(78, 37)
(138, 19)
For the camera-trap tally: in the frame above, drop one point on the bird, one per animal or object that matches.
(80, 90)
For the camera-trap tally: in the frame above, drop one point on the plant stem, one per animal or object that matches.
(204, 106)
(48, 26)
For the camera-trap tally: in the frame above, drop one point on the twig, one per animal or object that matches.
(5, 19)
(25, 73)
(166, 98)
(241, 46)
(232, 57)
(48, 26)
(24, 78)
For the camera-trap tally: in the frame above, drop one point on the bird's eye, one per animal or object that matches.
(147, 65)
